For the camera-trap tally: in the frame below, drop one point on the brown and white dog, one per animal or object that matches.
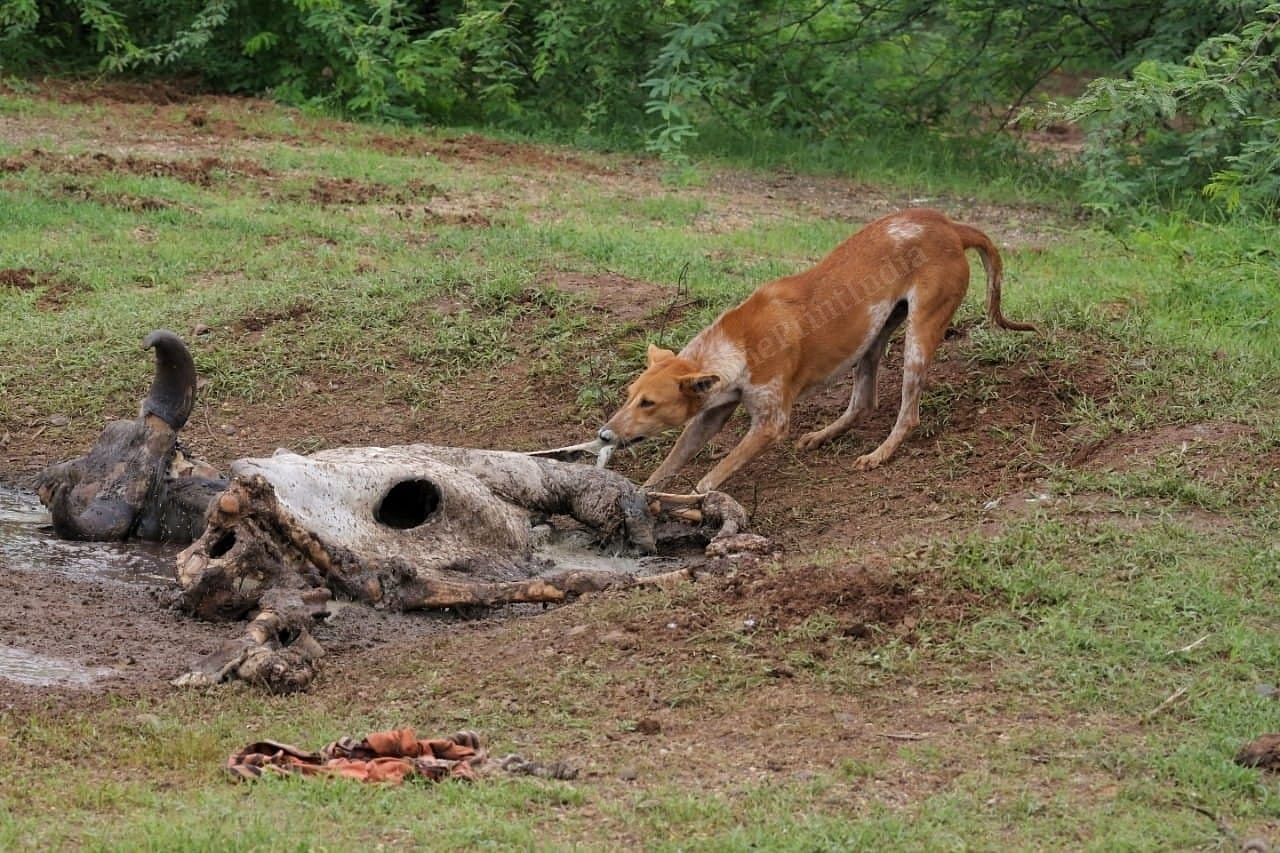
(801, 331)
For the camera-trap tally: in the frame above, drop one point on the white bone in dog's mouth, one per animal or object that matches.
(603, 454)
(598, 448)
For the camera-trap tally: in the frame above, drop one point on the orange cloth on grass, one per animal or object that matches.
(390, 756)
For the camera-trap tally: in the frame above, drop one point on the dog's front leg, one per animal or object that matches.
(767, 428)
(697, 433)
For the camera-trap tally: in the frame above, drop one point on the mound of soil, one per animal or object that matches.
(19, 278)
(782, 608)
(623, 299)
(56, 290)
(864, 600)
(258, 320)
(473, 148)
(201, 172)
(158, 92)
(1131, 450)
(327, 191)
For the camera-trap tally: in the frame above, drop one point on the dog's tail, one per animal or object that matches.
(972, 238)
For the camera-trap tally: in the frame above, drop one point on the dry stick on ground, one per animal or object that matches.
(680, 300)
(1189, 646)
(1223, 827)
(1172, 699)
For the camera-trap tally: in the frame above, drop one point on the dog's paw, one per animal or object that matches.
(867, 462)
(811, 440)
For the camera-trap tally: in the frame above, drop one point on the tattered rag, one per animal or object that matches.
(391, 756)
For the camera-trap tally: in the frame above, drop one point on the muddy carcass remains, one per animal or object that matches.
(412, 527)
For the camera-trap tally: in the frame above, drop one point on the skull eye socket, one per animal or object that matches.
(223, 544)
(646, 403)
(408, 504)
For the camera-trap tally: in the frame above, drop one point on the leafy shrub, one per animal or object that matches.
(1209, 120)
(1190, 100)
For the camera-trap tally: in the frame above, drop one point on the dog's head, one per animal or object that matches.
(669, 392)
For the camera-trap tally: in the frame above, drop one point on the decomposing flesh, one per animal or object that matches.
(406, 528)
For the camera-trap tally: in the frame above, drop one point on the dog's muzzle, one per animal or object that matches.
(608, 436)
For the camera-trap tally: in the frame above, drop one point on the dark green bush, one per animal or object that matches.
(1188, 98)
(1207, 118)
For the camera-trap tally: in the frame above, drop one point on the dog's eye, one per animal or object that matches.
(646, 403)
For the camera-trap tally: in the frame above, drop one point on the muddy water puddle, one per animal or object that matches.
(28, 544)
(36, 670)
(573, 550)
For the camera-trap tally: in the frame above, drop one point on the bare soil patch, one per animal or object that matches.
(158, 92)
(1129, 450)
(620, 298)
(55, 290)
(19, 278)
(863, 601)
(713, 682)
(330, 191)
(258, 320)
(473, 148)
(58, 292)
(746, 197)
(202, 171)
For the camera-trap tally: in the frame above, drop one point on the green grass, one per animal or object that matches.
(1189, 291)
(990, 167)
(1044, 705)
(1071, 746)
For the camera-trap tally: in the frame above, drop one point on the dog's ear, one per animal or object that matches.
(700, 384)
(657, 355)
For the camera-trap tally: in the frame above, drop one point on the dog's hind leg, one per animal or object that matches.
(862, 401)
(926, 327)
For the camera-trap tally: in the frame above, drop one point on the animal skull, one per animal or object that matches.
(409, 527)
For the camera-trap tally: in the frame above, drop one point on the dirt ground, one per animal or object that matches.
(980, 448)
(989, 435)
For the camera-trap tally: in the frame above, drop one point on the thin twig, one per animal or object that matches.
(1221, 824)
(906, 735)
(1257, 46)
(681, 297)
(1172, 698)
(1189, 646)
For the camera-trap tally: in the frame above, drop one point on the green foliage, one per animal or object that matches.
(817, 67)
(1189, 102)
(1210, 120)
